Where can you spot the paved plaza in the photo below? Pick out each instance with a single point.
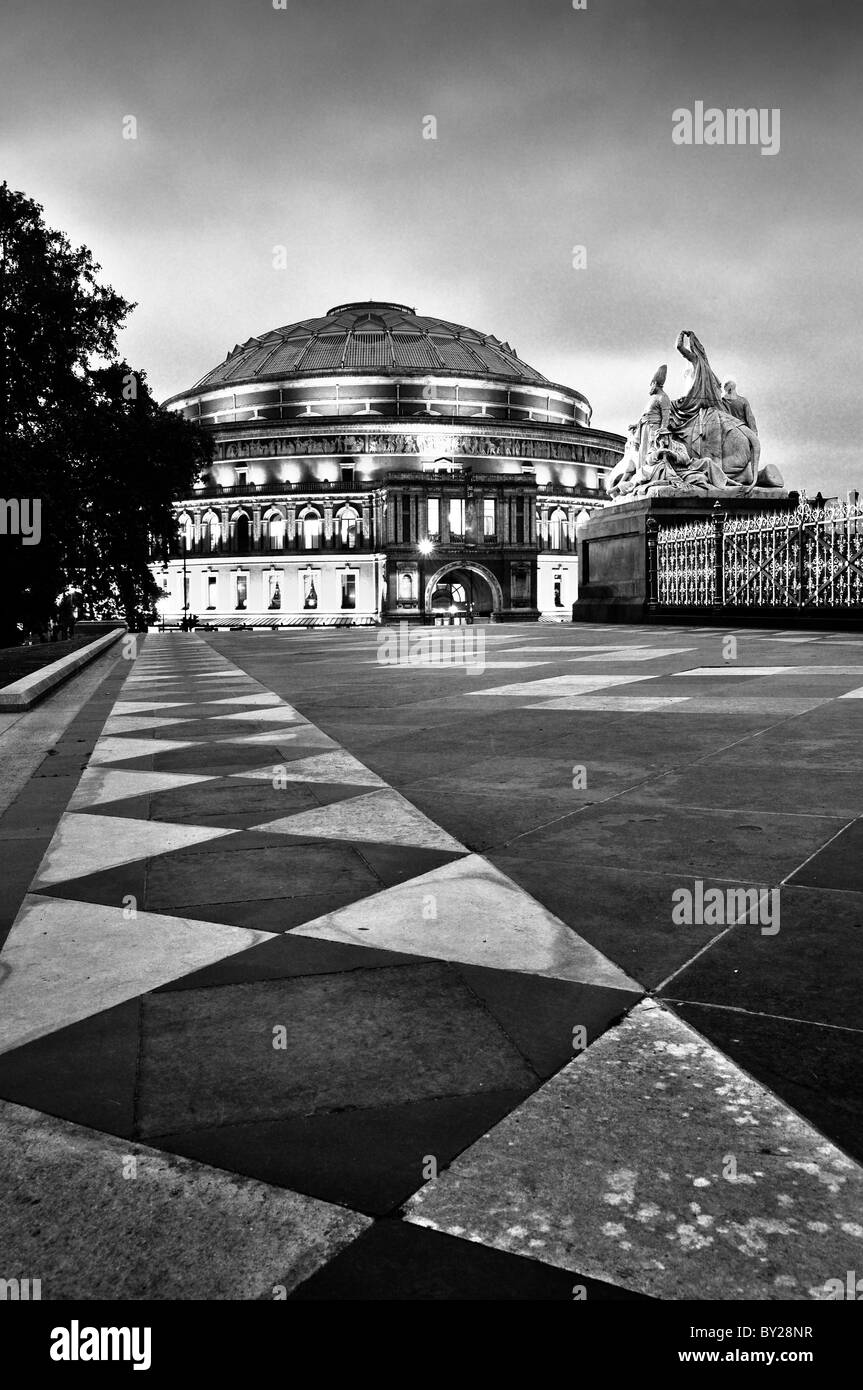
(331, 974)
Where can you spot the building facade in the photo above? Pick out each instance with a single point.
(376, 465)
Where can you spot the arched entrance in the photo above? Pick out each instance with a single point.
(465, 586)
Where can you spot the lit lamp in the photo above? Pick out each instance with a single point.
(425, 547)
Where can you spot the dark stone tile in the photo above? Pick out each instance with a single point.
(364, 1039)
(796, 971)
(21, 859)
(838, 865)
(625, 914)
(539, 1015)
(396, 1260)
(275, 914)
(287, 957)
(84, 1073)
(129, 807)
(371, 1159)
(751, 786)
(278, 868)
(397, 863)
(816, 1070)
(223, 758)
(745, 846)
(109, 886)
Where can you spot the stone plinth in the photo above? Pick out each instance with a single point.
(612, 549)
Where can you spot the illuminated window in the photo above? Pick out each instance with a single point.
(311, 528)
(434, 517)
(242, 591)
(274, 530)
(488, 525)
(274, 589)
(347, 525)
(456, 517)
(211, 592)
(211, 532)
(557, 529)
(349, 591)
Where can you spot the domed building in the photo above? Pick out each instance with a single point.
(375, 465)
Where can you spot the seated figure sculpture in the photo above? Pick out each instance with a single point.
(693, 445)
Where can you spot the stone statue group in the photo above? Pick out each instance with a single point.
(704, 444)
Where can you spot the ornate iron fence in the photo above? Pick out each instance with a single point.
(805, 556)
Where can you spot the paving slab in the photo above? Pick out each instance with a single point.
(101, 1218)
(598, 1172)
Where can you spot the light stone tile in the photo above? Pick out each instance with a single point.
(98, 785)
(652, 1161)
(732, 671)
(383, 817)
(637, 654)
(135, 723)
(337, 767)
(469, 911)
(283, 714)
(116, 750)
(85, 844)
(208, 1234)
(621, 704)
(65, 960)
(559, 685)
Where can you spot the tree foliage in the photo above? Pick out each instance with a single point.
(79, 432)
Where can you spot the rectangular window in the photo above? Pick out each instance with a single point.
(275, 590)
(456, 517)
(434, 518)
(558, 591)
(242, 477)
(488, 517)
(406, 517)
(349, 591)
(242, 591)
(211, 591)
(347, 475)
(310, 593)
(519, 521)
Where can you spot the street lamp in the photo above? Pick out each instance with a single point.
(425, 547)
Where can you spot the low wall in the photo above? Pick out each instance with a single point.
(23, 693)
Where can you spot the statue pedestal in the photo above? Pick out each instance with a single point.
(613, 551)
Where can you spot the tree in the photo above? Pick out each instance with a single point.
(79, 432)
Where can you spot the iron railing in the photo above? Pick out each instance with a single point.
(808, 555)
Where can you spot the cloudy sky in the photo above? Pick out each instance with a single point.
(303, 127)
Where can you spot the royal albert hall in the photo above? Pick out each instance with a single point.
(375, 465)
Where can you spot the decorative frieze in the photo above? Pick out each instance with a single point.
(444, 445)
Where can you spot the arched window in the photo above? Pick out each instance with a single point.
(347, 526)
(558, 535)
(274, 530)
(310, 525)
(211, 531)
(240, 529)
(186, 529)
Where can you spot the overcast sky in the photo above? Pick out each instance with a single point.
(259, 127)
